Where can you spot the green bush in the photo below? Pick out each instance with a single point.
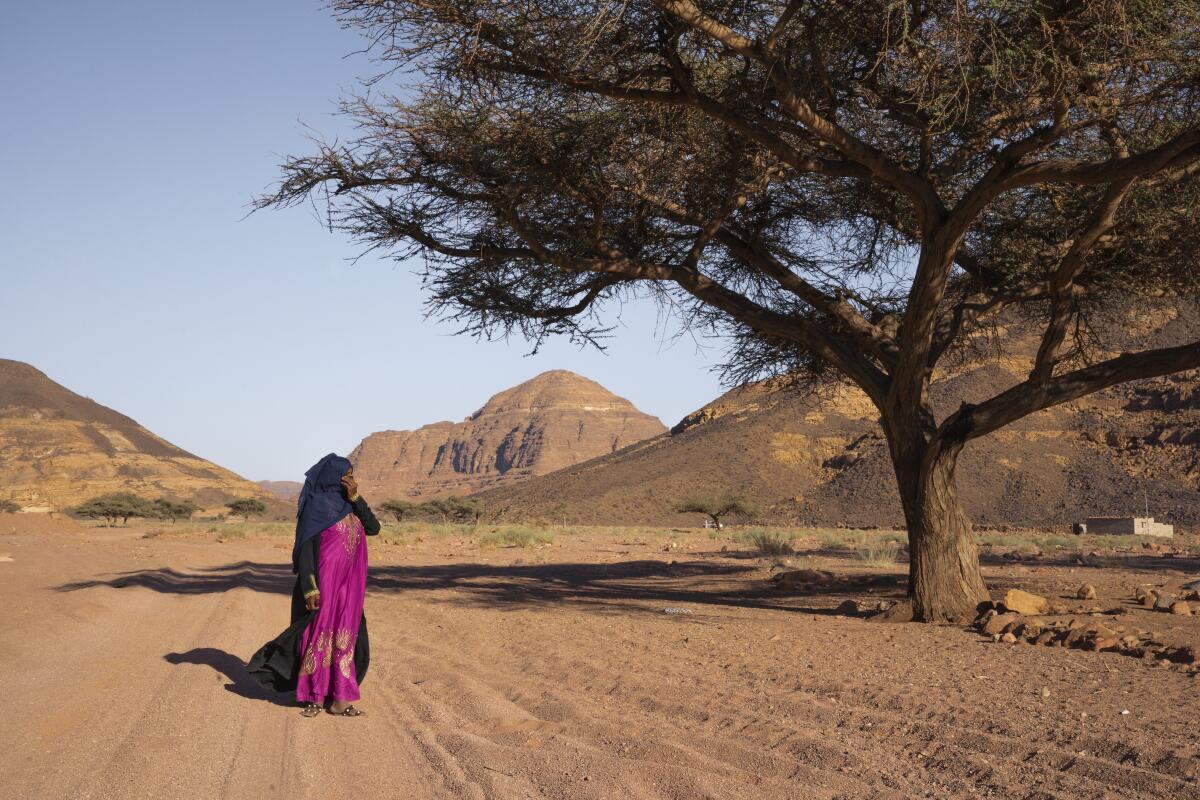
(767, 542)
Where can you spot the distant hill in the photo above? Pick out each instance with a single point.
(283, 490)
(821, 459)
(549, 422)
(58, 448)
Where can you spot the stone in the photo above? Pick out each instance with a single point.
(1164, 602)
(998, 623)
(1022, 602)
(1181, 608)
(1008, 638)
(1086, 592)
(1149, 599)
(1030, 629)
(848, 607)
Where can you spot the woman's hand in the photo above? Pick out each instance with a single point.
(313, 601)
(350, 487)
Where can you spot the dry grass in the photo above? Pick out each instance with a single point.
(515, 536)
(767, 542)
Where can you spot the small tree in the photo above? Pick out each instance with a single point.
(246, 507)
(115, 506)
(464, 509)
(9, 507)
(717, 507)
(169, 509)
(400, 509)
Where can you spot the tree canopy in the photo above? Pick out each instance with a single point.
(843, 190)
(116, 506)
(247, 507)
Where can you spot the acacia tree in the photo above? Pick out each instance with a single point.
(715, 507)
(850, 189)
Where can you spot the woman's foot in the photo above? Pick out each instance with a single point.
(310, 710)
(344, 709)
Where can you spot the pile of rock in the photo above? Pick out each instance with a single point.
(1165, 601)
(1019, 618)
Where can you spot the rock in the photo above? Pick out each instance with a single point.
(1086, 592)
(1030, 629)
(1008, 638)
(798, 578)
(1164, 602)
(1046, 638)
(1140, 593)
(552, 421)
(1024, 602)
(1149, 599)
(999, 623)
(848, 607)
(1057, 608)
(1181, 608)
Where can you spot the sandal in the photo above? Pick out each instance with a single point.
(348, 711)
(310, 710)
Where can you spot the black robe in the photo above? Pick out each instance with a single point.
(276, 665)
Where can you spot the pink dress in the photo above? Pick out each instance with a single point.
(327, 647)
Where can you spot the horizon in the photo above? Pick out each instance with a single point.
(136, 277)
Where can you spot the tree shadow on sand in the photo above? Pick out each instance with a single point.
(621, 587)
(234, 669)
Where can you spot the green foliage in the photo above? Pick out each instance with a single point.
(116, 506)
(452, 508)
(172, 510)
(717, 506)
(247, 507)
(9, 507)
(400, 508)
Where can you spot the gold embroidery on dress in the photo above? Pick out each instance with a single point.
(342, 640)
(345, 663)
(309, 665)
(350, 533)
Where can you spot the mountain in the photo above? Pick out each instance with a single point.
(282, 490)
(549, 422)
(58, 448)
(821, 459)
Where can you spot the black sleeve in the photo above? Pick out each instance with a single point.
(308, 564)
(366, 515)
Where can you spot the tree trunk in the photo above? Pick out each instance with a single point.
(944, 578)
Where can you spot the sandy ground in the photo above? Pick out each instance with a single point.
(558, 673)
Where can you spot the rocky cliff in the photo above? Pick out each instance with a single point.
(549, 422)
(58, 448)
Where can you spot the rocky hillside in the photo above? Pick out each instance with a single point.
(547, 423)
(58, 448)
(286, 491)
(820, 459)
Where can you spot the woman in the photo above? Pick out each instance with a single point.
(323, 655)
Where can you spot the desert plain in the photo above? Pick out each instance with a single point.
(589, 662)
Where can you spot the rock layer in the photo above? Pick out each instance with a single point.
(58, 449)
(547, 423)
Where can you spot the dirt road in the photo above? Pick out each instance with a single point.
(555, 673)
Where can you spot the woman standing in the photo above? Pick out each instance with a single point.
(323, 655)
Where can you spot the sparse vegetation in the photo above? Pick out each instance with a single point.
(115, 506)
(515, 536)
(717, 506)
(173, 510)
(399, 509)
(876, 551)
(767, 542)
(9, 507)
(247, 507)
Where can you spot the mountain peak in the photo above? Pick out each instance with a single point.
(548, 422)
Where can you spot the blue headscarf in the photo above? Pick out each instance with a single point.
(322, 501)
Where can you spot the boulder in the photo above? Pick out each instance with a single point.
(999, 623)
(1086, 592)
(1149, 599)
(1008, 638)
(1021, 602)
(1181, 608)
(1164, 602)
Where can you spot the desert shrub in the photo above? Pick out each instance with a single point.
(9, 507)
(247, 507)
(515, 537)
(876, 551)
(172, 510)
(229, 533)
(767, 542)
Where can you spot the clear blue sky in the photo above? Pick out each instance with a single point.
(134, 135)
